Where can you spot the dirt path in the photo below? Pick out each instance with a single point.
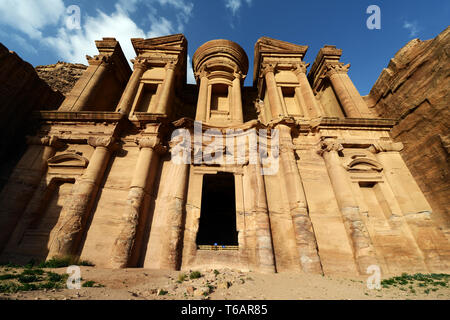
(131, 284)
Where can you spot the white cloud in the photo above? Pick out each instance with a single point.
(73, 45)
(24, 44)
(160, 27)
(235, 5)
(412, 27)
(31, 16)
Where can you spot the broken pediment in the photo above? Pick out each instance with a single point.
(172, 42)
(265, 44)
(274, 50)
(71, 160)
(364, 164)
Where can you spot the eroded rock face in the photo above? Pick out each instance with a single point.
(21, 92)
(415, 89)
(62, 75)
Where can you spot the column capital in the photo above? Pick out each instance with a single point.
(301, 68)
(238, 75)
(329, 146)
(204, 72)
(339, 68)
(48, 141)
(171, 65)
(384, 146)
(103, 142)
(268, 67)
(152, 142)
(140, 63)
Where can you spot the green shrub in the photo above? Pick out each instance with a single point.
(89, 284)
(162, 292)
(24, 278)
(54, 277)
(7, 276)
(195, 275)
(63, 262)
(9, 287)
(38, 272)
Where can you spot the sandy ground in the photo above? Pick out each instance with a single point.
(139, 284)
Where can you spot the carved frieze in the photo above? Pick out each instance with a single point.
(328, 146)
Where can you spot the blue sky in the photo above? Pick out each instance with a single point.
(38, 31)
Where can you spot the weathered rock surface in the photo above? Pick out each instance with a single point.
(21, 91)
(61, 76)
(415, 88)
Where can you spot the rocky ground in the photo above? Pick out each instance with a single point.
(224, 284)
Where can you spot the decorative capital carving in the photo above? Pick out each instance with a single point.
(328, 146)
(170, 65)
(301, 68)
(49, 141)
(202, 73)
(152, 142)
(238, 75)
(266, 68)
(383, 146)
(140, 63)
(339, 68)
(103, 142)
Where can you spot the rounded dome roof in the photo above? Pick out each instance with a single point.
(220, 47)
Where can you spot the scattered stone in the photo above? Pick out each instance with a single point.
(224, 284)
(202, 291)
(190, 290)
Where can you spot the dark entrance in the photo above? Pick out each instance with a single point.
(218, 211)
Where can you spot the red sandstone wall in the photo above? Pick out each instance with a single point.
(415, 88)
(21, 92)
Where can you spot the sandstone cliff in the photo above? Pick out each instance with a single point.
(61, 76)
(21, 92)
(415, 88)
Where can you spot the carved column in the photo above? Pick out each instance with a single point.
(22, 184)
(167, 89)
(354, 106)
(304, 233)
(313, 107)
(265, 254)
(140, 187)
(174, 211)
(202, 96)
(237, 98)
(129, 94)
(91, 88)
(359, 236)
(274, 98)
(79, 205)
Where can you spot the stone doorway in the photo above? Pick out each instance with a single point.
(218, 211)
